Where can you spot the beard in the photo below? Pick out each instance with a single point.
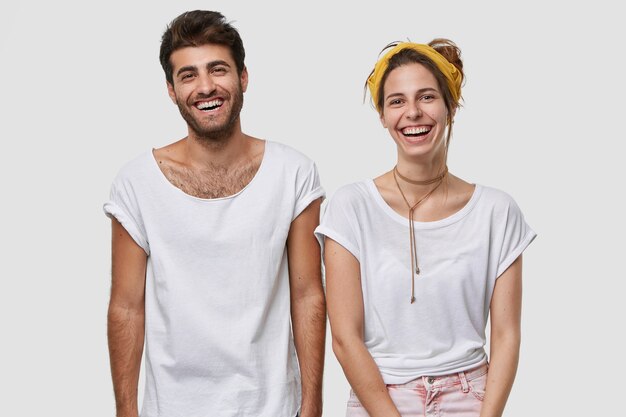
(209, 130)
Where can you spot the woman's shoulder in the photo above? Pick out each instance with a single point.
(494, 195)
(496, 200)
(352, 193)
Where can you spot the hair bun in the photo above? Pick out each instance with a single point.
(449, 50)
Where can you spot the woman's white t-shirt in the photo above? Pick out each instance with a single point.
(460, 258)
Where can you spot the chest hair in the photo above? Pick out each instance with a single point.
(213, 181)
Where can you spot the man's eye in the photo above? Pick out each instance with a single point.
(186, 76)
(219, 70)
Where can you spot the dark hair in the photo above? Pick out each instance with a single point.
(197, 28)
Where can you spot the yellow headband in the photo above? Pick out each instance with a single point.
(453, 76)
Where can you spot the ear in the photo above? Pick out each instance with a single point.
(382, 119)
(244, 79)
(170, 91)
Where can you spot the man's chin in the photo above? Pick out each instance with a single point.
(214, 134)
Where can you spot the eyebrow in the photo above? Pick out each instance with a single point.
(209, 65)
(186, 68)
(216, 63)
(420, 91)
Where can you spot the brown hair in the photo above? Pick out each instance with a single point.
(445, 47)
(197, 28)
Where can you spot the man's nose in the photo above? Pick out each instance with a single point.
(206, 84)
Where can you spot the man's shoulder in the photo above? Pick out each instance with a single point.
(289, 155)
(136, 167)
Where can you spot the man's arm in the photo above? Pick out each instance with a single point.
(126, 318)
(308, 306)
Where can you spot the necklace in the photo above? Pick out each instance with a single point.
(416, 182)
(415, 269)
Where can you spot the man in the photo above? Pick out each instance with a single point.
(213, 253)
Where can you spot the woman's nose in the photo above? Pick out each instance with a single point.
(414, 111)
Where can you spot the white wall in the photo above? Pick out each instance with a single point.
(83, 92)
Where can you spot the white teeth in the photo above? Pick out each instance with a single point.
(415, 130)
(207, 105)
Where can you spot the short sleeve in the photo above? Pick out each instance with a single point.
(516, 237)
(339, 222)
(122, 206)
(308, 189)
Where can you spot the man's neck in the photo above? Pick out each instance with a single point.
(203, 152)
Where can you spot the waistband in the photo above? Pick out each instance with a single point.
(457, 378)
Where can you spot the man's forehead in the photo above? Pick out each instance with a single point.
(201, 55)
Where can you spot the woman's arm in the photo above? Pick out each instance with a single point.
(345, 312)
(505, 310)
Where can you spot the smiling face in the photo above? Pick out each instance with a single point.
(414, 112)
(208, 90)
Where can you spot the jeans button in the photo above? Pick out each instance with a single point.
(431, 379)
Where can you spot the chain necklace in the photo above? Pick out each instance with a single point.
(415, 270)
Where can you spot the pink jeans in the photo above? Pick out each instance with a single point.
(455, 395)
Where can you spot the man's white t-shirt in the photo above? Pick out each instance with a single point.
(460, 258)
(218, 330)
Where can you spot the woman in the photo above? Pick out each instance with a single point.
(418, 258)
